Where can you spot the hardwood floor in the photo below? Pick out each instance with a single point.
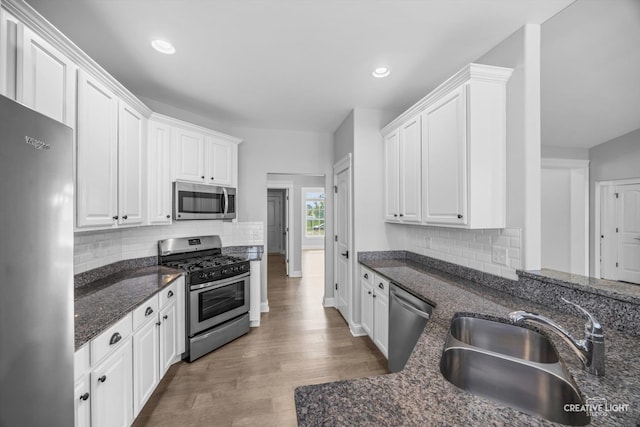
(251, 380)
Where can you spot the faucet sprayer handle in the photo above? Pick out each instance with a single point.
(596, 327)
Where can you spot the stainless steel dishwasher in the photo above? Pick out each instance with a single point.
(408, 316)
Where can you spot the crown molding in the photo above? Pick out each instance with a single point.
(171, 121)
(469, 73)
(30, 17)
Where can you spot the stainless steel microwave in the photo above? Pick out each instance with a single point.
(200, 201)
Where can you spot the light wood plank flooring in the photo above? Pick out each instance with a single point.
(251, 380)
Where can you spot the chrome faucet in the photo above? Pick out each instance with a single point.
(589, 350)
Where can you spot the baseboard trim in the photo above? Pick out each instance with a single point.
(297, 273)
(329, 302)
(254, 323)
(264, 307)
(357, 330)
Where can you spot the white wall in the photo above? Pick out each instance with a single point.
(267, 151)
(93, 249)
(550, 152)
(612, 160)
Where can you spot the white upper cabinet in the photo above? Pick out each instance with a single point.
(444, 159)
(132, 141)
(189, 156)
(48, 79)
(204, 157)
(402, 173)
(10, 33)
(159, 172)
(461, 175)
(97, 154)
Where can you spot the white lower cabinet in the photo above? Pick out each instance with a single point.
(111, 388)
(374, 297)
(117, 372)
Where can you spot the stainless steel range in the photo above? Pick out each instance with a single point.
(217, 291)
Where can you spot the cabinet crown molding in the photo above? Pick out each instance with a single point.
(171, 121)
(470, 72)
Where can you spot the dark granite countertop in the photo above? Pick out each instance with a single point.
(420, 396)
(103, 302)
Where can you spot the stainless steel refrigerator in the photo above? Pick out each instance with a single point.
(36, 269)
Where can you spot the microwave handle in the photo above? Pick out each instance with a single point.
(225, 201)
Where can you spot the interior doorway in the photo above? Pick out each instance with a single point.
(276, 221)
(618, 230)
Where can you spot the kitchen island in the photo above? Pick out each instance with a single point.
(420, 396)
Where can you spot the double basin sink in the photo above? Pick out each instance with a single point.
(510, 364)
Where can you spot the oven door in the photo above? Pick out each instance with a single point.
(213, 303)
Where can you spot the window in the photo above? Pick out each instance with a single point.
(314, 206)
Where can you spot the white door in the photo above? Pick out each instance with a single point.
(343, 241)
(146, 361)
(97, 180)
(629, 233)
(444, 160)
(132, 137)
(168, 337)
(274, 222)
(48, 79)
(111, 390)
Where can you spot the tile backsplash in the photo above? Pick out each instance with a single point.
(470, 248)
(93, 249)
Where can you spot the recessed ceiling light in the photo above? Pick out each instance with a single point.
(381, 72)
(163, 46)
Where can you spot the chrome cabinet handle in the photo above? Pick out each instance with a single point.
(148, 311)
(115, 338)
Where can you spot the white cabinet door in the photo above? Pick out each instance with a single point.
(366, 300)
(220, 162)
(180, 308)
(97, 161)
(82, 402)
(111, 384)
(391, 178)
(10, 34)
(189, 156)
(168, 336)
(381, 326)
(132, 135)
(48, 79)
(159, 173)
(146, 363)
(410, 161)
(444, 160)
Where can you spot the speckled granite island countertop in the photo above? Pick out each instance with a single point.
(103, 302)
(420, 396)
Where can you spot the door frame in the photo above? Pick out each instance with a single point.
(288, 209)
(600, 187)
(341, 165)
(579, 189)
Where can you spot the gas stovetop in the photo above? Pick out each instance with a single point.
(201, 258)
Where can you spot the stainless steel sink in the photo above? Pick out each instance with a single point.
(510, 364)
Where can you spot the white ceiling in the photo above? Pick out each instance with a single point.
(590, 90)
(288, 64)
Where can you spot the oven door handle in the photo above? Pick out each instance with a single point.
(219, 284)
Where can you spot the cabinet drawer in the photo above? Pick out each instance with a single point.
(81, 362)
(381, 285)
(169, 294)
(148, 310)
(110, 339)
(366, 275)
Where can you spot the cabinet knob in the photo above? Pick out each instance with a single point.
(459, 216)
(211, 178)
(170, 294)
(374, 295)
(125, 216)
(202, 177)
(369, 292)
(102, 379)
(84, 396)
(381, 285)
(148, 311)
(168, 216)
(366, 275)
(395, 215)
(165, 317)
(115, 217)
(401, 215)
(158, 323)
